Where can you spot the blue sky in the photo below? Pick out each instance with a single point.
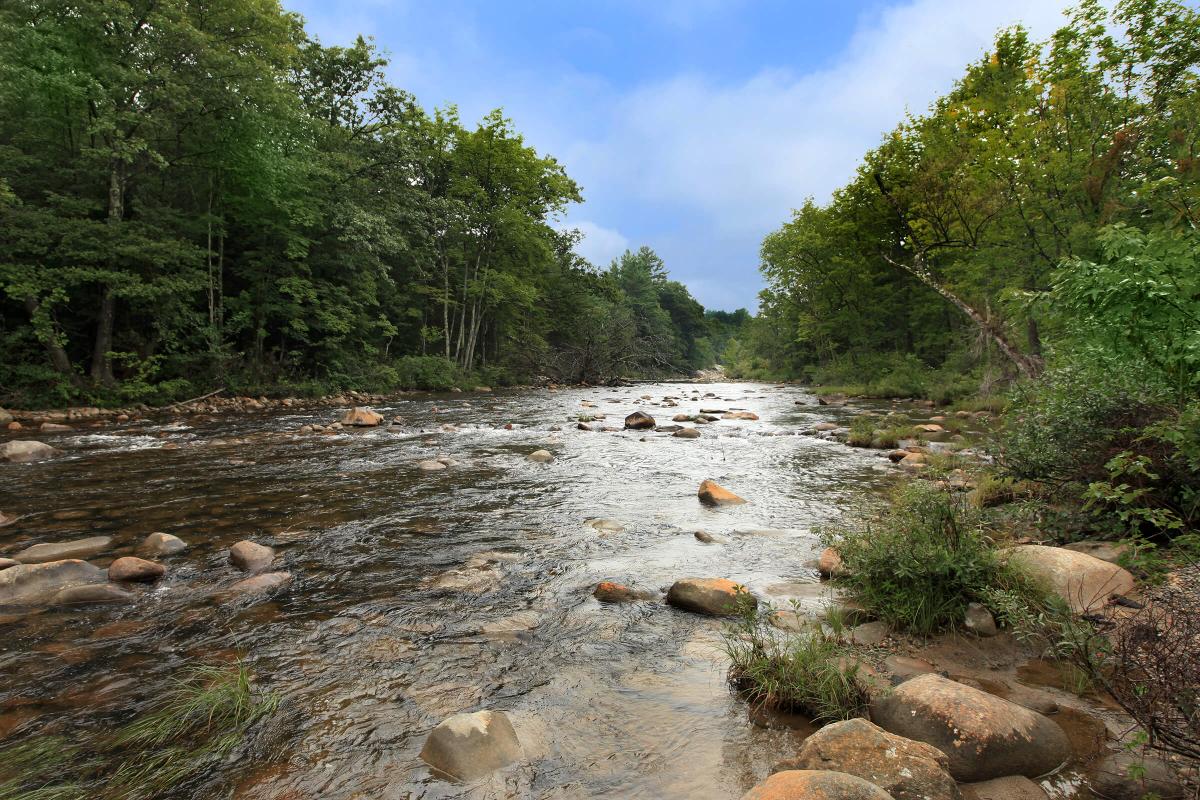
(693, 126)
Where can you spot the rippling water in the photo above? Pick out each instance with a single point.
(421, 594)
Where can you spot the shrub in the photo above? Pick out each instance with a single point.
(919, 563)
(807, 673)
(862, 431)
(427, 372)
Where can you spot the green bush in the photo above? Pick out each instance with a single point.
(920, 562)
(807, 673)
(427, 372)
(862, 431)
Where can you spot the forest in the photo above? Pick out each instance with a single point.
(1042, 213)
(201, 195)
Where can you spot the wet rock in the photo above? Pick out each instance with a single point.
(91, 593)
(905, 769)
(361, 418)
(5, 563)
(469, 746)
(983, 735)
(870, 634)
(714, 495)
(1010, 787)
(829, 563)
(430, 466)
(541, 456)
(681, 418)
(610, 592)
(713, 596)
(746, 415)
(1084, 581)
(14, 426)
(1111, 552)
(803, 784)
(254, 586)
(57, 551)
(24, 451)
(896, 456)
(831, 400)
(639, 421)
(606, 525)
(250, 556)
(1113, 777)
(708, 538)
(162, 544)
(583, 426)
(979, 621)
(36, 584)
(686, 433)
(55, 427)
(131, 568)
(824, 427)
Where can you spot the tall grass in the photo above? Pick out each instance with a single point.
(191, 728)
(807, 673)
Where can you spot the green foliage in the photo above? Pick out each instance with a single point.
(426, 372)
(190, 730)
(807, 673)
(862, 431)
(920, 562)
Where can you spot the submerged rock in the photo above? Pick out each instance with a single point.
(24, 451)
(162, 544)
(983, 735)
(430, 466)
(1083, 581)
(712, 494)
(712, 596)
(609, 592)
(91, 593)
(250, 556)
(639, 420)
(37, 584)
(256, 585)
(465, 747)
(805, 784)
(708, 538)
(905, 769)
(57, 551)
(131, 568)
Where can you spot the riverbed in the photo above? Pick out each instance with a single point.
(420, 594)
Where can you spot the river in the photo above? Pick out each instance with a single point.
(421, 594)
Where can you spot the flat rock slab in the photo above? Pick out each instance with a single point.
(57, 551)
(254, 586)
(37, 584)
(466, 747)
(90, 593)
(984, 736)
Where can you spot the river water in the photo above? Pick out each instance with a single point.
(422, 594)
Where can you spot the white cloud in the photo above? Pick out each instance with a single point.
(600, 245)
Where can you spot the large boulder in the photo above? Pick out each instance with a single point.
(905, 769)
(57, 551)
(713, 596)
(712, 494)
(250, 556)
(37, 584)
(465, 747)
(361, 418)
(810, 784)
(132, 568)
(23, 451)
(983, 735)
(1084, 581)
(1011, 787)
(1113, 777)
(639, 420)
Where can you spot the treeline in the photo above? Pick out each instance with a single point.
(935, 269)
(199, 194)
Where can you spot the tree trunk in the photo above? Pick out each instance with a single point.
(58, 356)
(101, 362)
(1028, 366)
